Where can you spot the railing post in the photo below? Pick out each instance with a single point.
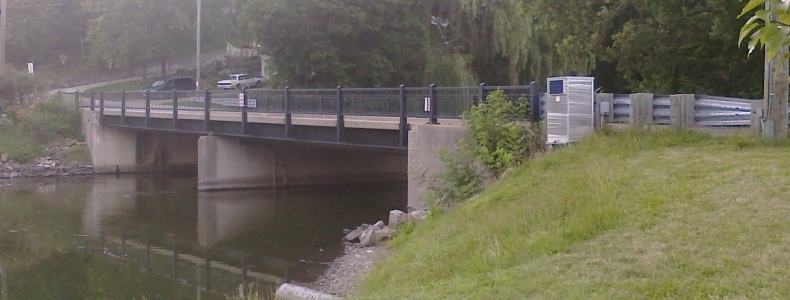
(482, 95)
(147, 107)
(287, 112)
(244, 111)
(207, 111)
(534, 90)
(123, 107)
(93, 105)
(341, 122)
(404, 126)
(101, 106)
(433, 114)
(175, 109)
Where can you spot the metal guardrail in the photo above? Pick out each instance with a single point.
(709, 111)
(403, 102)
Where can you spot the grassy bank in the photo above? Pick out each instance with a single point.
(620, 216)
(26, 132)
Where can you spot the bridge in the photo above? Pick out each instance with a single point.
(285, 137)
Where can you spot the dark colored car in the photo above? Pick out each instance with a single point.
(173, 83)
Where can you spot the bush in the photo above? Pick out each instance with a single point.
(499, 139)
(50, 120)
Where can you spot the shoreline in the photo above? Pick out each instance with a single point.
(345, 274)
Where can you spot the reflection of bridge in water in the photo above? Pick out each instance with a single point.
(187, 268)
(218, 240)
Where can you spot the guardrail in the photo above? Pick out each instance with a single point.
(709, 111)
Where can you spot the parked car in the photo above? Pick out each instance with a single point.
(181, 83)
(239, 81)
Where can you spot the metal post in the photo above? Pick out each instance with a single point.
(93, 105)
(244, 111)
(77, 99)
(101, 106)
(175, 109)
(207, 111)
(147, 107)
(404, 126)
(534, 89)
(433, 109)
(123, 107)
(197, 55)
(482, 95)
(287, 112)
(341, 122)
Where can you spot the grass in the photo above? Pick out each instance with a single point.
(619, 216)
(134, 86)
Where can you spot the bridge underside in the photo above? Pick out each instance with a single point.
(233, 163)
(238, 162)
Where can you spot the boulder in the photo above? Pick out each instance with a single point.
(386, 233)
(397, 217)
(379, 224)
(4, 157)
(356, 233)
(418, 215)
(368, 237)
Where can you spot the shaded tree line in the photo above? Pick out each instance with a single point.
(670, 46)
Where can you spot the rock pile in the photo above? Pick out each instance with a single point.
(370, 235)
(48, 166)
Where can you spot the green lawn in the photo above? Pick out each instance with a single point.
(619, 216)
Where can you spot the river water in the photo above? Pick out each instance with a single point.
(157, 237)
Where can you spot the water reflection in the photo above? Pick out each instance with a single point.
(161, 227)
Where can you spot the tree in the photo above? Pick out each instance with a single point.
(325, 43)
(769, 26)
(41, 30)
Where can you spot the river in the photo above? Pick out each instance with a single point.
(157, 237)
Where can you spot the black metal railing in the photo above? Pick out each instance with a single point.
(432, 103)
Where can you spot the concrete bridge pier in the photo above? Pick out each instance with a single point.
(234, 163)
(115, 149)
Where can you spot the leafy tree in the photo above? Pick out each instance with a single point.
(41, 30)
(325, 43)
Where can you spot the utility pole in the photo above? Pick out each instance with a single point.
(197, 65)
(3, 25)
(775, 92)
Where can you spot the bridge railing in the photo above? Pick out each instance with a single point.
(401, 102)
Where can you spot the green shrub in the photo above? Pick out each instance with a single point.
(50, 120)
(499, 139)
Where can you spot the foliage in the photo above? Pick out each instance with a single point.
(14, 84)
(766, 28)
(123, 33)
(498, 140)
(621, 215)
(49, 120)
(319, 43)
(39, 31)
(40, 125)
